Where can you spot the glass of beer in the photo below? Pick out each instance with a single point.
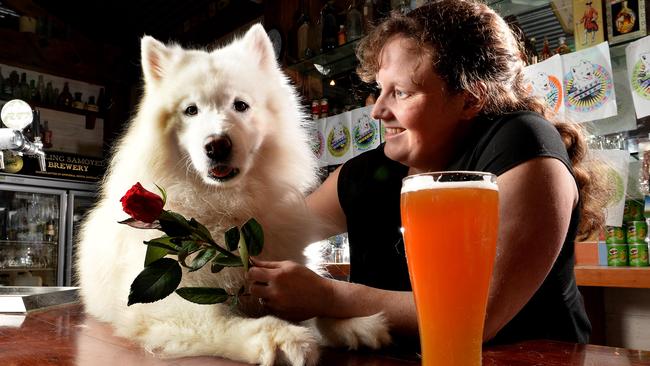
(450, 223)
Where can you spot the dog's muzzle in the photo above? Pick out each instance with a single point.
(219, 151)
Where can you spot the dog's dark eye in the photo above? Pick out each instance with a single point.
(191, 110)
(240, 106)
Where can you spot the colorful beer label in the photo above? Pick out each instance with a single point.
(588, 86)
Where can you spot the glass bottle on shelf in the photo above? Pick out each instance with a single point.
(368, 15)
(22, 91)
(302, 37)
(40, 90)
(342, 38)
(546, 50)
(47, 135)
(563, 48)
(49, 94)
(353, 22)
(32, 90)
(330, 28)
(65, 98)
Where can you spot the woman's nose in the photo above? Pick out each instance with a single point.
(379, 109)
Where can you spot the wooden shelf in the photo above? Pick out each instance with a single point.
(600, 276)
(603, 276)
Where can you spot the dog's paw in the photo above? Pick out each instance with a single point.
(285, 343)
(369, 331)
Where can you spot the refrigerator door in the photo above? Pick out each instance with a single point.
(32, 235)
(79, 202)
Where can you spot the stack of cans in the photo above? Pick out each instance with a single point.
(627, 245)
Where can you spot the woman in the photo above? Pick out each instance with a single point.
(452, 98)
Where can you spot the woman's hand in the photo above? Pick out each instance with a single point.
(289, 290)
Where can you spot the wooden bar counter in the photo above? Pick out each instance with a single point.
(63, 335)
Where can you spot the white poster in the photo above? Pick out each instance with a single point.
(588, 84)
(365, 130)
(618, 166)
(338, 139)
(544, 80)
(317, 140)
(625, 119)
(637, 55)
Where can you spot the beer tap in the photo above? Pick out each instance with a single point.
(16, 115)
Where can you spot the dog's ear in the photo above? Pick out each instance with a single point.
(259, 44)
(155, 58)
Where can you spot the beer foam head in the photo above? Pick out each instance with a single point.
(426, 181)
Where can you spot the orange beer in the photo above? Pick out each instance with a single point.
(450, 234)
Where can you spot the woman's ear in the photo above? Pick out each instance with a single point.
(474, 100)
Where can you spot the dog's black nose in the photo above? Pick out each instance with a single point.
(219, 148)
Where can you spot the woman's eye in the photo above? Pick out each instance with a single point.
(400, 94)
(191, 110)
(240, 106)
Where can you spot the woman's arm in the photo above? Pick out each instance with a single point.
(536, 199)
(294, 292)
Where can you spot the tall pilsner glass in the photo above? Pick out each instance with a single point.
(450, 222)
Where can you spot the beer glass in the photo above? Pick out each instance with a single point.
(450, 223)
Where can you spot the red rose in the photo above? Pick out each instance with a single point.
(141, 204)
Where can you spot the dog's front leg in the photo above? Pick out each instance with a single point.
(368, 331)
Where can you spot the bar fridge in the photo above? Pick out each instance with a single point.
(38, 221)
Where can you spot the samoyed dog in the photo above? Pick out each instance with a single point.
(223, 133)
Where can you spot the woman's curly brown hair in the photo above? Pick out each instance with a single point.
(474, 51)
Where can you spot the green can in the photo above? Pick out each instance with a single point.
(638, 254)
(633, 211)
(617, 255)
(637, 231)
(615, 235)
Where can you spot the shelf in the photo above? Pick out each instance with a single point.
(27, 242)
(24, 269)
(81, 112)
(330, 63)
(603, 276)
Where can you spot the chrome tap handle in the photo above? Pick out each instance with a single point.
(2, 161)
(41, 160)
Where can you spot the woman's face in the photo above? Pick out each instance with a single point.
(423, 122)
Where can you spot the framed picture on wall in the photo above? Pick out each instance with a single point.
(588, 23)
(625, 20)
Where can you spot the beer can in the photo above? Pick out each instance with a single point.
(617, 255)
(637, 231)
(638, 255)
(615, 235)
(324, 108)
(315, 107)
(633, 211)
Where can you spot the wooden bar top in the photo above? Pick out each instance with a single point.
(63, 336)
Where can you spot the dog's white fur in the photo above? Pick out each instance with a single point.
(165, 146)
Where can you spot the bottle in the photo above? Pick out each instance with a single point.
(22, 90)
(324, 108)
(330, 30)
(48, 98)
(40, 90)
(368, 16)
(341, 35)
(65, 98)
(353, 23)
(563, 48)
(546, 51)
(47, 135)
(78, 103)
(14, 80)
(302, 38)
(32, 90)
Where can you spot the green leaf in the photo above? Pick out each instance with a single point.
(254, 235)
(204, 256)
(231, 237)
(162, 193)
(164, 242)
(203, 231)
(188, 247)
(203, 295)
(154, 253)
(156, 281)
(216, 267)
(140, 224)
(225, 261)
(243, 252)
(174, 224)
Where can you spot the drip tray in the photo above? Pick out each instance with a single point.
(21, 299)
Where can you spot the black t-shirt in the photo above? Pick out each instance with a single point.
(369, 192)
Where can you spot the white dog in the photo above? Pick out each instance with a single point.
(222, 132)
(583, 75)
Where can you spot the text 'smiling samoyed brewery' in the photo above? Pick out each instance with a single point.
(221, 132)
